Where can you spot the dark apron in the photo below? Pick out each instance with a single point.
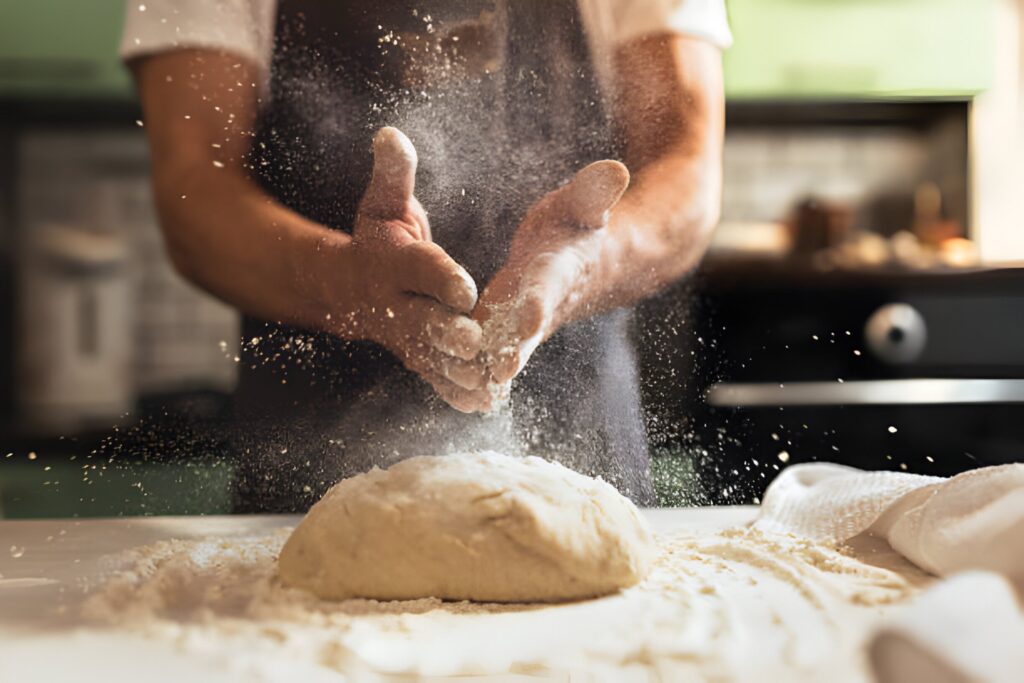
(500, 101)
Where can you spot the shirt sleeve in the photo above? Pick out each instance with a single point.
(613, 22)
(242, 27)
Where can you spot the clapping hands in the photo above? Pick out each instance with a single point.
(423, 306)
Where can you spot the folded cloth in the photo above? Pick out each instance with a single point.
(966, 629)
(974, 520)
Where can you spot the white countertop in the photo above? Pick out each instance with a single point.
(45, 563)
(48, 567)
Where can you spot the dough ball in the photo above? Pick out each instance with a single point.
(476, 526)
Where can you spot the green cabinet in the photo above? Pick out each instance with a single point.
(862, 49)
(62, 49)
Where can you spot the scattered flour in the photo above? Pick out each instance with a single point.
(739, 605)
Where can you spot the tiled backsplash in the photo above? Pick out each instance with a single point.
(769, 170)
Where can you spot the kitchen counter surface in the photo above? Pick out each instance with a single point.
(42, 561)
(47, 569)
(46, 566)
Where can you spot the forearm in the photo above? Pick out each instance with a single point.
(670, 107)
(227, 236)
(223, 232)
(659, 230)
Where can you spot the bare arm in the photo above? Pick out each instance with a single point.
(222, 231)
(387, 282)
(670, 106)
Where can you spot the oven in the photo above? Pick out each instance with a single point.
(778, 363)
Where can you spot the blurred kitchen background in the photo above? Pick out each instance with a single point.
(870, 239)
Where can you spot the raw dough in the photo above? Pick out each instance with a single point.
(476, 526)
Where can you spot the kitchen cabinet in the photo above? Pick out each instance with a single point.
(860, 49)
(62, 49)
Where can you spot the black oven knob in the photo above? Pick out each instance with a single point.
(896, 333)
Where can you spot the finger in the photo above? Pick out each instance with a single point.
(592, 193)
(511, 360)
(422, 359)
(394, 174)
(505, 364)
(509, 353)
(500, 291)
(421, 220)
(425, 268)
(453, 334)
(466, 374)
(429, 324)
(524, 306)
(469, 375)
(463, 400)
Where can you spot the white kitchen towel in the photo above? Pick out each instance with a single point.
(974, 520)
(967, 629)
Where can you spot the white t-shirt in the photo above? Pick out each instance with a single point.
(246, 27)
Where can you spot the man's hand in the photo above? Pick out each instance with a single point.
(411, 297)
(552, 262)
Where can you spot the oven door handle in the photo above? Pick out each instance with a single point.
(867, 392)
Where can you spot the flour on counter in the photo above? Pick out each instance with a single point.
(738, 605)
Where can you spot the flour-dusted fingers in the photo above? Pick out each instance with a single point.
(505, 364)
(518, 337)
(463, 400)
(510, 360)
(424, 360)
(429, 323)
(510, 315)
(427, 269)
(467, 374)
(455, 335)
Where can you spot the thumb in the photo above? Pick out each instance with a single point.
(394, 173)
(592, 192)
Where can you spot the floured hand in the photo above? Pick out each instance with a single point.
(550, 268)
(413, 298)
